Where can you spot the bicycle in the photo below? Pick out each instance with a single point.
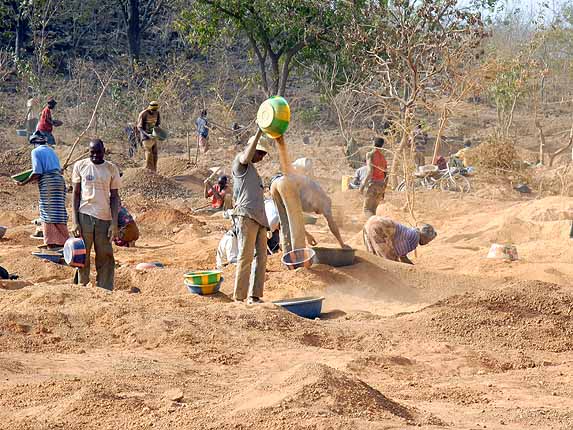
(430, 177)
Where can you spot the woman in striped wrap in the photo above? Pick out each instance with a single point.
(47, 172)
(394, 241)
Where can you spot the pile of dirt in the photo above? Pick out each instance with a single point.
(15, 161)
(173, 166)
(167, 216)
(151, 186)
(320, 390)
(12, 219)
(528, 315)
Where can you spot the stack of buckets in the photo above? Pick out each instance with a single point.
(203, 282)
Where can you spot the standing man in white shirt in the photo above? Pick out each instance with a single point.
(32, 113)
(95, 212)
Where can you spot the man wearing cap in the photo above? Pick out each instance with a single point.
(220, 194)
(374, 184)
(393, 241)
(46, 124)
(251, 221)
(147, 121)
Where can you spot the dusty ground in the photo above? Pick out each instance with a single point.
(456, 341)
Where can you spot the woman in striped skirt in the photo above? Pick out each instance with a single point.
(47, 171)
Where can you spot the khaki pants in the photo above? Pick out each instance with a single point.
(250, 278)
(151, 155)
(373, 196)
(95, 232)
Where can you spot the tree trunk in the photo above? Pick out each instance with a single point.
(563, 149)
(134, 31)
(541, 140)
(275, 73)
(406, 124)
(21, 27)
(443, 123)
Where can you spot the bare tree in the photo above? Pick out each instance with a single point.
(411, 49)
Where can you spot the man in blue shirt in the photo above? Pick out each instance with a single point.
(203, 131)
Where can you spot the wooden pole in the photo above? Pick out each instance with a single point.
(197, 153)
(66, 164)
(188, 149)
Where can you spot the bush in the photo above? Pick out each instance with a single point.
(494, 153)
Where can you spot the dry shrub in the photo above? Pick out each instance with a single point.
(495, 153)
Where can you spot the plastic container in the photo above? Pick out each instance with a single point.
(22, 176)
(75, 252)
(309, 219)
(297, 258)
(306, 307)
(204, 290)
(204, 277)
(159, 133)
(22, 132)
(273, 116)
(345, 183)
(142, 267)
(503, 252)
(335, 257)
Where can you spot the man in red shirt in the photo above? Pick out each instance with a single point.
(374, 184)
(219, 194)
(46, 124)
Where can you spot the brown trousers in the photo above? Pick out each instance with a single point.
(250, 278)
(151, 155)
(373, 196)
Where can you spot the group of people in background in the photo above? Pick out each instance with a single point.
(99, 218)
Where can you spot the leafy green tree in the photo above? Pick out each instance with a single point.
(278, 32)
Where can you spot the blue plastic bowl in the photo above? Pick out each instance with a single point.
(306, 307)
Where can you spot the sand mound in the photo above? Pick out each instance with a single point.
(528, 315)
(172, 166)
(11, 219)
(322, 390)
(167, 216)
(35, 269)
(151, 186)
(15, 161)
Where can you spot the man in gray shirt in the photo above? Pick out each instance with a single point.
(251, 221)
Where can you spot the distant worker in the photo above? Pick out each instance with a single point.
(220, 194)
(374, 185)
(251, 220)
(459, 159)
(313, 199)
(46, 124)
(128, 231)
(393, 241)
(47, 171)
(32, 113)
(146, 122)
(203, 131)
(96, 184)
(239, 133)
(359, 176)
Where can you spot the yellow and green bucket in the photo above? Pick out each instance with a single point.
(273, 116)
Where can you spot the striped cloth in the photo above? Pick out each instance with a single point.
(53, 198)
(405, 240)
